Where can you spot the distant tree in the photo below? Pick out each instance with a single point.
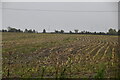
(76, 30)
(34, 31)
(101, 33)
(19, 30)
(119, 32)
(86, 32)
(70, 32)
(82, 32)
(112, 31)
(10, 29)
(62, 31)
(25, 30)
(4, 30)
(44, 31)
(95, 33)
(56, 31)
(30, 31)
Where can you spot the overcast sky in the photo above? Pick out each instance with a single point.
(89, 16)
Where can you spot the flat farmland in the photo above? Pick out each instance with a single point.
(33, 55)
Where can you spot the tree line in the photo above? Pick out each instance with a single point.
(76, 31)
(10, 29)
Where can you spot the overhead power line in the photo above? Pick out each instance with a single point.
(52, 10)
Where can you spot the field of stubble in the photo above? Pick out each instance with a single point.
(32, 55)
